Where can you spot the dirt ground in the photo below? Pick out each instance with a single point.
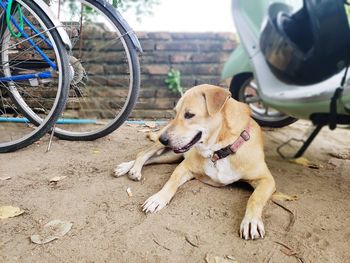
(108, 225)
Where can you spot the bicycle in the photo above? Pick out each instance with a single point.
(34, 63)
(110, 113)
(104, 59)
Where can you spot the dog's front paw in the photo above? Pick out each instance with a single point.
(252, 227)
(155, 203)
(135, 174)
(123, 168)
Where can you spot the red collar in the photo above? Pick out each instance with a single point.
(233, 148)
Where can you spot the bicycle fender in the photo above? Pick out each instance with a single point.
(54, 20)
(127, 29)
(238, 62)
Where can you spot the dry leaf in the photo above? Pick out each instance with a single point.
(57, 178)
(343, 156)
(279, 196)
(10, 211)
(5, 178)
(145, 130)
(53, 230)
(216, 259)
(288, 252)
(129, 192)
(305, 162)
(192, 240)
(151, 124)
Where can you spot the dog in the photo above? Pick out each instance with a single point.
(219, 144)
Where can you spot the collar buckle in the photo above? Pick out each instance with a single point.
(245, 135)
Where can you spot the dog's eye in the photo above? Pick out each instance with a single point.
(189, 115)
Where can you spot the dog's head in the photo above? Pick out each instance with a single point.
(198, 116)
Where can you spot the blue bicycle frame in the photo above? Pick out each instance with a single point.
(40, 75)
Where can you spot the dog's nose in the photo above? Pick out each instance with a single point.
(164, 139)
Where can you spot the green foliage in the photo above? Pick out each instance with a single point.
(140, 8)
(173, 81)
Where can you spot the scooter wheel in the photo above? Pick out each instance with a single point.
(244, 89)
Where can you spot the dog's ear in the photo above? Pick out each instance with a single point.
(215, 98)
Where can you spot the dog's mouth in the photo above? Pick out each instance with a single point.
(189, 145)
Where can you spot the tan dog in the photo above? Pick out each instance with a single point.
(208, 120)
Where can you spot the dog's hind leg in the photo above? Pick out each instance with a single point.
(134, 167)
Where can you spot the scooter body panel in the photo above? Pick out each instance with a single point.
(296, 101)
(237, 63)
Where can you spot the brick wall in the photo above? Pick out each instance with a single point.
(198, 56)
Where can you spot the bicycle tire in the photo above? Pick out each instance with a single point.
(134, 85)
(63, 82)
(134, 88)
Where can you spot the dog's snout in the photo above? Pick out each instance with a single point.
(164, 139)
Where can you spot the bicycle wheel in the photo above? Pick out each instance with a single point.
(27, 80)
(106, 70)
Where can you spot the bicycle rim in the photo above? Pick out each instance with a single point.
(37, 97)
(106, 71)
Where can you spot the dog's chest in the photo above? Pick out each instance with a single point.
(221, 171)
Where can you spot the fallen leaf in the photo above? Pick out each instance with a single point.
(305, 162)
(279, 196)
(145, 130)
(96, 152)
(128, 190)
(10, 211)
(151, 124)
(57, 179)
(5, 178)
(216, 259)
(290, 252)
(193, 241)
(343, 156)
(55, 229)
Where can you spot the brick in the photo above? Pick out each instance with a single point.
(160, 35)
(141, 35)
(216, 57)
(156, 69)
(180, 58)
(152, 114)
(177, 46)
(229, 46)
(116, 69)
(210, 47)
(226, 36)
(95, 69)
(189, 36)
(200, 69)
(148, 45)
(155, 58)
(156, 103)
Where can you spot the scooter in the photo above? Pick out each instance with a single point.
(274, 102)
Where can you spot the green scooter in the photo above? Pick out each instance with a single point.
(286, 75)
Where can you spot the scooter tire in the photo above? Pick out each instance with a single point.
(240, 81)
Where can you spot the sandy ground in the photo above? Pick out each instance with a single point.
(108, 225)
